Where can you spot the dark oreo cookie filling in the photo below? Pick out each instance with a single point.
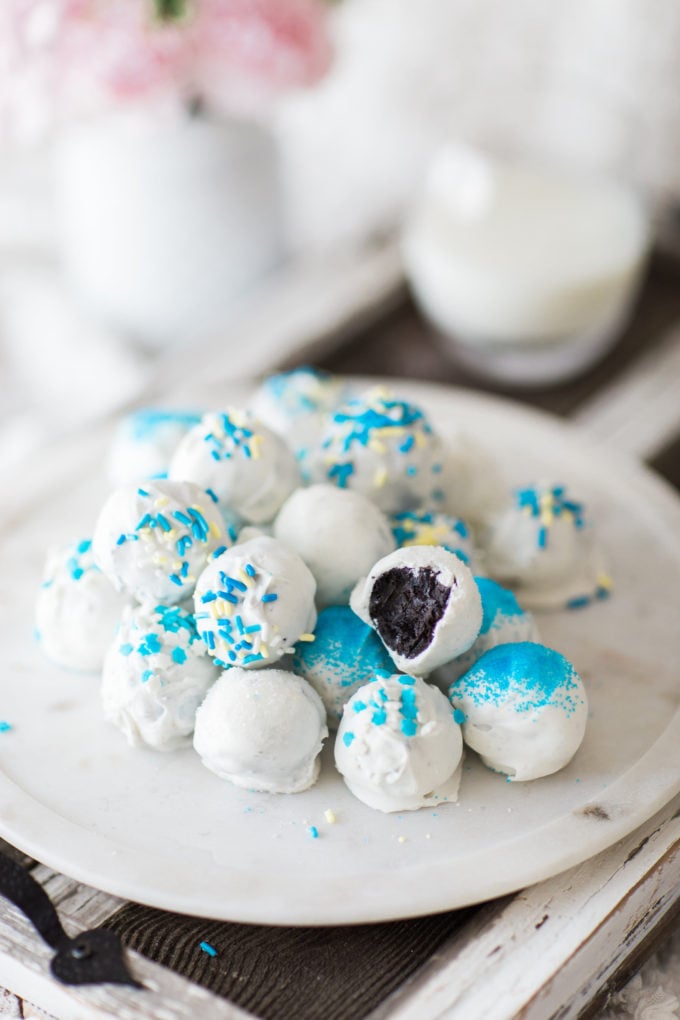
(405, 607)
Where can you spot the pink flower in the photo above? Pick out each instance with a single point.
(76, 56)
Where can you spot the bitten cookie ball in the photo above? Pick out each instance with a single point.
(424, 604)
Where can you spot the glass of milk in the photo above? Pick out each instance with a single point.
(528, 270)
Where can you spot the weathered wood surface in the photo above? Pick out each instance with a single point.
(550, 950)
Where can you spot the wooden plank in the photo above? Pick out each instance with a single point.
(24, 967)
(640, 412)
(550, 951)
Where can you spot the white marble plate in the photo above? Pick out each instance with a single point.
(162, 830)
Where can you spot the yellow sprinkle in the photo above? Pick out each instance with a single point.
(401, 839)
(161, 501)
(329, 816)
(306, 637)
(241, 574)
(171, 535)
(547, 517)
(177, 565)
(605, 581)
(377, 446)
(420, 439)
(254, 444)
(214, 530)
(380, 478)
(264, 651)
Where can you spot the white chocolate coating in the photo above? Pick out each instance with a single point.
(156, 674)
(457, 626)
(381, 447)
(503, 622)
(542, 546)
(249, 467)
(344, 655)
(254, 602)
(144, 442)
(338, 533)
(77, 609)
(154, 541)
(523, 708)
(296, 405)
(262, 730)
(398, 747)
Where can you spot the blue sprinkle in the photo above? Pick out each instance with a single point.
(212, 495)
(207, 948)
(5, 727)
(251, 658)
(411, 470)
(176, 580)
(83, 546)
(143, 492)
(250, 570)
(146, 675)
(270, 598)
(179, 656)
(359, 706)
(126, 649)
(579, 602)
(379, 717)
(120, 539)
(458, 716)
(182, 518)
(347, 738)
(313, 831)
(209, 596)
(77, 573)
(407, 444)
(209, 638)
(228, 597)
(219, 551)
(542, 537)
(184, 573)
(407, 680)
(409, 727)
(239, 585)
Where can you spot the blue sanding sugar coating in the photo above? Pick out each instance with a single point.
(496, 601)
(525, 676)
(344, 647)
(145, 423)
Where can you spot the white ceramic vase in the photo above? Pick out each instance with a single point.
(166, 219)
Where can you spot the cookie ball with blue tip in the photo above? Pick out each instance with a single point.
(424, 605)
(503, 622)
(433, 527)
(345, 654)
(247, 465)
(382, 447)
(144, 442)
(398, 746)
(296, 405)
(77, 609)
(153, 540)
(156, 674)
(254, 602)
(338, 533)
(542, 545)
(523, 708)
